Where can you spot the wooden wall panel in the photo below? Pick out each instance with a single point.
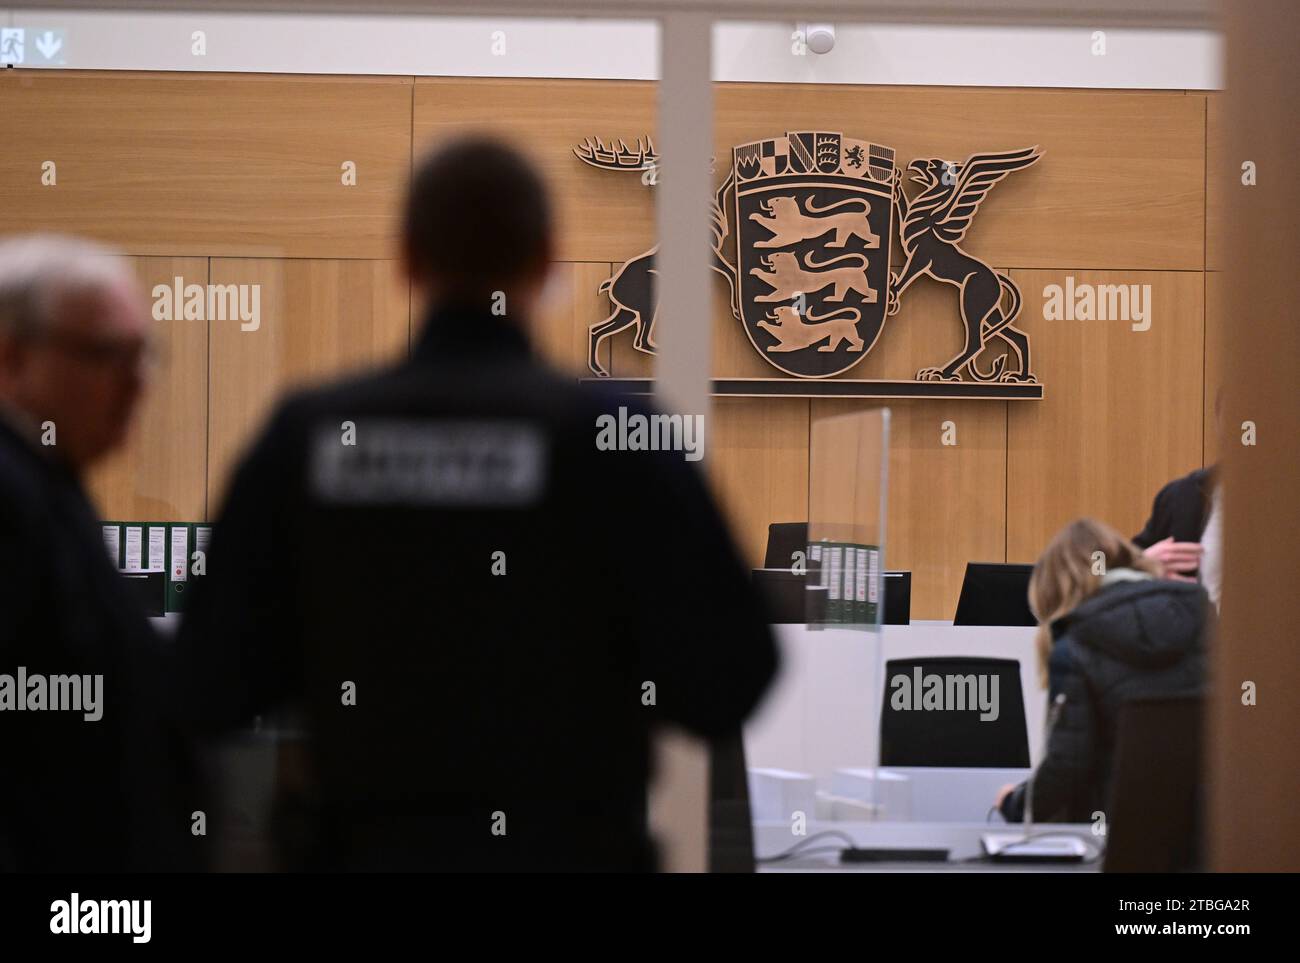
(319, 319)
(757, 456)
(160, 474)
(207, 164)
(1222, 178)
(603, 215)
(247, 167)
(1121, 416)
(1217, 323)
(1114, 158)
(947, 503)
(571, 301)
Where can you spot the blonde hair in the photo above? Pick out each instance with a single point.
(1070, 570)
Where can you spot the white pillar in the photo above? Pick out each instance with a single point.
(683, 336)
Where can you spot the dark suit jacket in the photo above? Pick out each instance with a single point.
(1181, 509)
(77, 796)
(501, 721)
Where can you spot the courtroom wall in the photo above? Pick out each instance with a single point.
(239, 179)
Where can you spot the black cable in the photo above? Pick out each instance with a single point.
(795, 850)
(811, 851)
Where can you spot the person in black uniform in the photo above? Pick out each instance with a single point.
(95, 780)
(480, 614)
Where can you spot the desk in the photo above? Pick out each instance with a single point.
(822, 713)
(962, 839)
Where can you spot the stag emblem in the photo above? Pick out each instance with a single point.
(631, 289)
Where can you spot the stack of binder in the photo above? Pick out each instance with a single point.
(166, 556)
(850, 573)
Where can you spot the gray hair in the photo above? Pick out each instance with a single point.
(38, 272)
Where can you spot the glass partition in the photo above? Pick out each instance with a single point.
(847, 487)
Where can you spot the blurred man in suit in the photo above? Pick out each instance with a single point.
(481, 612)
(90, 770)
(1174, 535)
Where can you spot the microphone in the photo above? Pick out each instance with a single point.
(1022, 846)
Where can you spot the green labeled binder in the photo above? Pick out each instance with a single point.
(850, 582)
(155, 547)
(113, 542)
(871, 585)
(861, 613)
(834, 582)
(202, 535)
(133, 557)
(179, 539)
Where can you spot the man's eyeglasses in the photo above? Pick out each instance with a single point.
(141, 353)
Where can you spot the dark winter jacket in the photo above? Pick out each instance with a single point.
(1131, 639)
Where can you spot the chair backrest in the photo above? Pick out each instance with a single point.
(1154, 813)
(932, 716)
(994, 593)
(783, 540)
(898, 598)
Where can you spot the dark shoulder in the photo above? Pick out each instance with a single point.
(1147, 624)
(23, 484)
(571, 411)
(1194, 483)
(514, 384)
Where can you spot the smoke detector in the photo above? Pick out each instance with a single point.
(820, 37)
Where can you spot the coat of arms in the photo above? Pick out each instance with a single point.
(803, 228)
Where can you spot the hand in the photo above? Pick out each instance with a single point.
(1003, 793)
(1175, 558)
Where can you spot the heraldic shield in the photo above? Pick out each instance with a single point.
(814, 221)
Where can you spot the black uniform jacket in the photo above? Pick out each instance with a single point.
(480, 612)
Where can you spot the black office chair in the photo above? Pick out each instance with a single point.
(994, 593)
(955, 737)
(898, 598)
(783, 540)
(1154, 814)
